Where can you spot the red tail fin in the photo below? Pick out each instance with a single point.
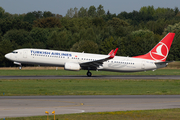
(161, 50)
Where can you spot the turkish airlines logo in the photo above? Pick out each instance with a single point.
(160, 52)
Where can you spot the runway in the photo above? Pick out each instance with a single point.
(175, 77)
(18, 106)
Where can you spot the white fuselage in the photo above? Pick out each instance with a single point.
(59, 58)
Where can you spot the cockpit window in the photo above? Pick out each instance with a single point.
(15, 52)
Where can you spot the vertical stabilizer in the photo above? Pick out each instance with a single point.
(161, 50)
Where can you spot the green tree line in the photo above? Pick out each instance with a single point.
(91, 30)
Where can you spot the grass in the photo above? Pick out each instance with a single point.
(164, 114)
(94, 87)
(89, 87)
(83, 72)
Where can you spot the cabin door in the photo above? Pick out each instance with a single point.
(25, 54)
(143, 64)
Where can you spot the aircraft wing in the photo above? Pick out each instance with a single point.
(93, 65)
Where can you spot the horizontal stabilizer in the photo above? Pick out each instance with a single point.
(163, 62)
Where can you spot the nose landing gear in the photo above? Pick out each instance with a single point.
(20, 67)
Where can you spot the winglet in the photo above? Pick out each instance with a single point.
(113, 53)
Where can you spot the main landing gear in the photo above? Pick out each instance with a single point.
(89, 74)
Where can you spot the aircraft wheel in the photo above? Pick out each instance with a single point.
(20, 67)
(89, 74)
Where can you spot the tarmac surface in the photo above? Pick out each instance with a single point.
(175, 77)
(19, 106)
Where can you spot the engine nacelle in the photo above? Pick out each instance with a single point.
(72, 66)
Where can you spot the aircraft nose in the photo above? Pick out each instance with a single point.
(7, 56)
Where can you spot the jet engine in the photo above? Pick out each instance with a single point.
(72, 66)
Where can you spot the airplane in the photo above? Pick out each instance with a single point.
(75, 61)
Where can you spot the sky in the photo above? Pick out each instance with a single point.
(61, 6)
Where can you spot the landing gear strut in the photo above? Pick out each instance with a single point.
(89, 74)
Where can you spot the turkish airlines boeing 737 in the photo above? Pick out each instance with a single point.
(154, 59)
